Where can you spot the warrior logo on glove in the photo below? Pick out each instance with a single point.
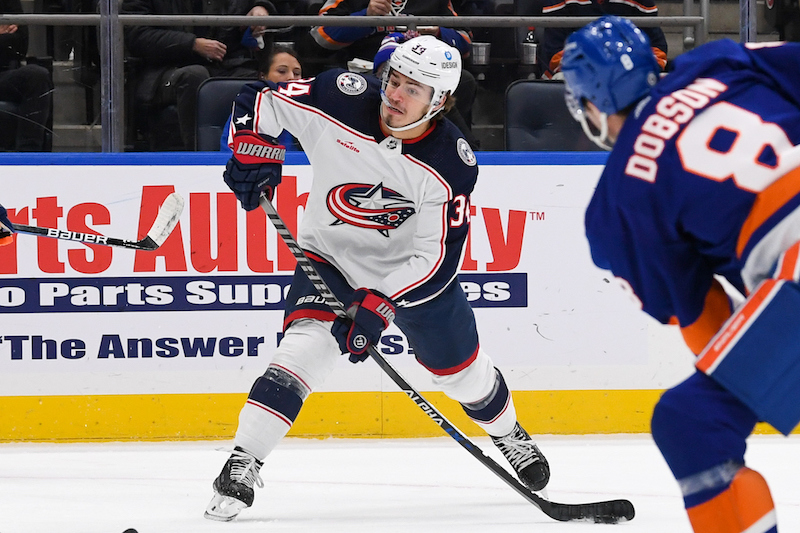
(258, 152)
(360, 342)
(255, 167)
(386, 311)
(370, 314)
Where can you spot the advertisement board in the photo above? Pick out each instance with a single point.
(203, 313)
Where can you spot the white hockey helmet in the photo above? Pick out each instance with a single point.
(428, 61)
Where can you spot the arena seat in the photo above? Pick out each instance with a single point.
(9, 115)
(537, 119)
(8, 125)
(214, 99)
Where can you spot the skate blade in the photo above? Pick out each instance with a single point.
(223, 508)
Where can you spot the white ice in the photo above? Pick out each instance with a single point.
(353, 486)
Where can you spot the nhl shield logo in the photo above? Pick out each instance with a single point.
(465, 152)
(351, 83)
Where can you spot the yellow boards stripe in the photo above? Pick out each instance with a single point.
(326, 414)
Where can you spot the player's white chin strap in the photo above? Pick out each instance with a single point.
(601, 139)
(429, 115)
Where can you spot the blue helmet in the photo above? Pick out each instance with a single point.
(610, 63)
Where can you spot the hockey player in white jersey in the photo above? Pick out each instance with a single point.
(385, 224)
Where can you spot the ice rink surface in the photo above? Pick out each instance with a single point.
(369, 485)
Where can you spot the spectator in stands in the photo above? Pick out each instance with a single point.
(28, 86)
(552, 45)
(336, 45)
(178, 59)
(281, 64)
(784, 16)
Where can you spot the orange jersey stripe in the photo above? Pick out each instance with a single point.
(554, 7)
(329, 7)
(555, 61)
(661, 57)
(789, 263)
(559, 5)
(321, 32)
(752, 307)
(716, 310)
(767, 203)
(746, 506)
(641, 7)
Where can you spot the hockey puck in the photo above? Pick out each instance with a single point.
(131, 530)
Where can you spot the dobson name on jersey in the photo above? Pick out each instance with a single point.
(671, 111)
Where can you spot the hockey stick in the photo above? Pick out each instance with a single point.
(607, 512)
(165, 222)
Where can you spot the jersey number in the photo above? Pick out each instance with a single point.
(750, 156)
(461, 211)
(295, 88)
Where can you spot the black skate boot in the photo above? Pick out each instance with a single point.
(233, 488)
(525, 457)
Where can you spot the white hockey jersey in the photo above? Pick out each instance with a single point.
(390, 215)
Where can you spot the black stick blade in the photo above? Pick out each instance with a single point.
(609, 512)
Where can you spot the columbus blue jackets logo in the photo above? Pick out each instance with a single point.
(369, 206)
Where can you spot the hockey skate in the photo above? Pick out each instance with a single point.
(525, 457)
(233, 488)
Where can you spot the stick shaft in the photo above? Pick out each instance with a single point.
(85, 238)
(561, 512)
(165, 222)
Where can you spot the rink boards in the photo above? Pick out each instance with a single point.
(100, 343)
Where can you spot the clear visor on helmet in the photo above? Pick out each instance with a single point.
(574, 104)
(395, 85)
(599, 136)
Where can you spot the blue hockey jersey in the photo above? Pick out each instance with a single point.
(700, 183)
(390, 215)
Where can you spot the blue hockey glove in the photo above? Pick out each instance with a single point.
(254, 167)
(388, 44)
(6, 229)
(370, 313)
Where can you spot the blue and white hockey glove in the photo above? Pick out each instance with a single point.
(6, 229)
(388, 44)
(254, 167)
(370, 314)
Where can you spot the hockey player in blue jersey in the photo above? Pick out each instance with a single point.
(703, 186)
(385, 223)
